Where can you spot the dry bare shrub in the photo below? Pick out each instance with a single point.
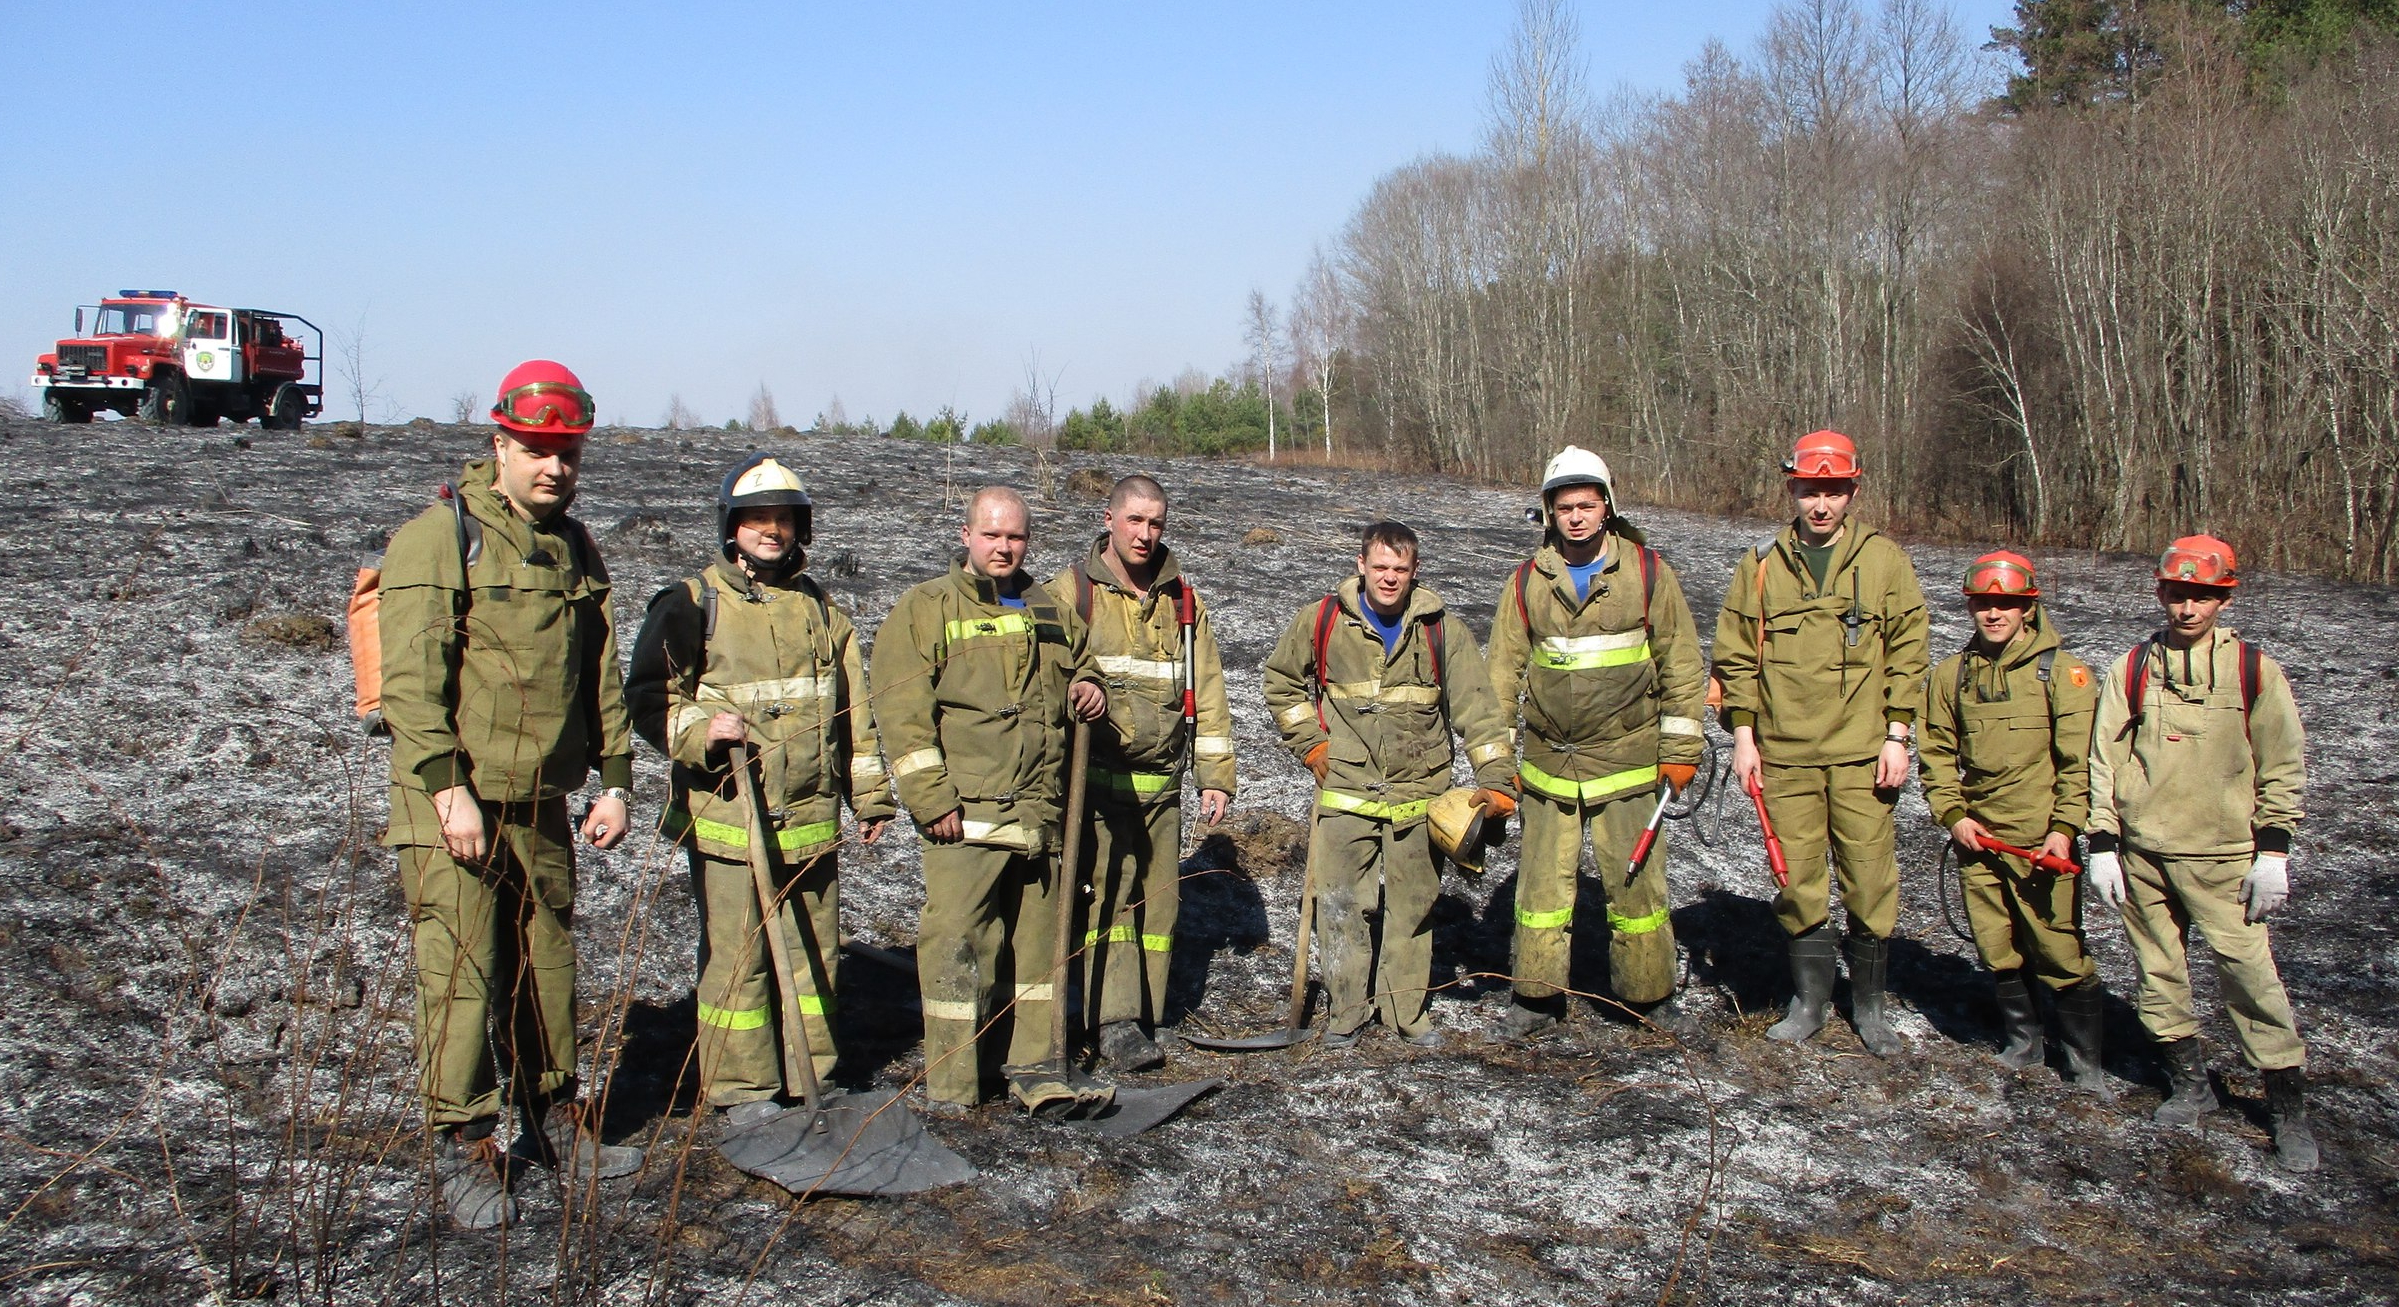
(1261, 535)
(313, 442)
(1255, 844)
(1090, 482)
(294, 631)
(345, 431)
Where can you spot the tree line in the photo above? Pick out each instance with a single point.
(2147, 285)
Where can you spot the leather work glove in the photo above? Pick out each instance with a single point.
(1678, 775)
(2104, 877)
(2267, 885)
(1316, 759)
(1497, 803)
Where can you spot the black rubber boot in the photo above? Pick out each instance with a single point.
(472, 1174)
(1125, 1049)
(2081, 1020)
(2193, 1096)
(2019, 1022)
(2286, 1104)
(1812, 967)
(1869, 968)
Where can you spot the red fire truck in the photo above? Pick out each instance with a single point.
(155, 355)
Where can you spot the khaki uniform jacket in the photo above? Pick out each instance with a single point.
(2188, 780)
(788, 661)
(510, 686)
(1838, 663)
(2013, 752)
(1388, 720)
(1137, 646)
(971, 698)
(1610, 689)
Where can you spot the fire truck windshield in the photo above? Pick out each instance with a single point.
(132, 319)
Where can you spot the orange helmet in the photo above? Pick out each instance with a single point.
(2003, 573)
(1823, 456)
(544, 403)
(2199, 560)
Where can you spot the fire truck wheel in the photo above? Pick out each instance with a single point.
(168, 401)
(67, 411)
(289, 409)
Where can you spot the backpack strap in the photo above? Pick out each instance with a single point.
(2136, 686)
(1433, 633)
(1649, 581)
(2253, 673)
(1324, 632)
(707, 611)
(1524, 608)
(1082, 593)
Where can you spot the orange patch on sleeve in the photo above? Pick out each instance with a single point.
(2081, 676)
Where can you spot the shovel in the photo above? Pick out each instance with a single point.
(868, 1144)
(1294, 1029)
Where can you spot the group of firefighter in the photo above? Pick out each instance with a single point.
(2180, 768)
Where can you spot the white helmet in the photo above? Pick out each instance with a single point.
(1576, 466)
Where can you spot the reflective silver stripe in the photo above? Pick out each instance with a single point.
(1377, 692)
(1678, 726)
(1146, 668)
(1295, 714)
(1211, 746)
(865, 764)
(1483, 753)
(996, 832)
(1567, 645)
(936, 1010)
(911, 763)
(687, 717)
(789, 687)
(1033, 993)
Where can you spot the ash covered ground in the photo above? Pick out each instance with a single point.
(204, 1052)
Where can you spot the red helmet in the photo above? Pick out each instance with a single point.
(2199, 560)
(1823, 456)
(2002, 573)
(544, 403)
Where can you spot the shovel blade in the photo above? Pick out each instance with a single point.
(1272, 1039)
(1136, 1110)
(870, 1145)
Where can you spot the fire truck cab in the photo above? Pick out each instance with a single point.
(155, 355)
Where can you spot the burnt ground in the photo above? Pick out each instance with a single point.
(204, 1058)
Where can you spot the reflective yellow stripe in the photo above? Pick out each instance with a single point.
(786, 839)
(729, 1019)
(1336, 801)
(1295, 714)
(1678, 726)
(976, 628)
(993, 832)
(1640, 925)
(1565, 653)
(1378, 692)
(1531, 920)
(1211, 746)
(1158, 943)
(937, 1010)
(1137, 782)
(911, 763)
(1556, 787)
(1483, 753)
(1146, 669)
(1114, 935)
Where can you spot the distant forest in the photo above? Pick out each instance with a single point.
(2125, 272)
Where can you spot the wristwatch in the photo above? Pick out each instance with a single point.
(618, 793)
(1895, 734)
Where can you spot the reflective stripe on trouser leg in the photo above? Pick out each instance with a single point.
(1640, 927)
(1134, 870)
(1545, 890)
(740, 1046)
(1366, 866)
(1835, 810)
(2164, 896)
(987, 933)
(495, 965)
(2023, 920)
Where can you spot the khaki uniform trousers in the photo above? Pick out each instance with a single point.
(495, 960)
(1368, 866)
(986, 951)
(1835, 809)
(1640, 928)
(2025, 920)
(1135, 870)
(740, 1042)
(2164, 897)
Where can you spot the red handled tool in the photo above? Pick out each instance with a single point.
(1774, 843)
(2048, 862)
(1649, 834)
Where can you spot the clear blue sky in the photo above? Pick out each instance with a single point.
(894, 202)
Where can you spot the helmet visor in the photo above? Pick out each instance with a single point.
(545, 406)
(2000, 576)
(2198, 565)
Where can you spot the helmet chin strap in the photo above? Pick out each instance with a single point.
(790, 562)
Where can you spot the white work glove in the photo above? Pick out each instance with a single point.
(2267, 885)
(2103, 876)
